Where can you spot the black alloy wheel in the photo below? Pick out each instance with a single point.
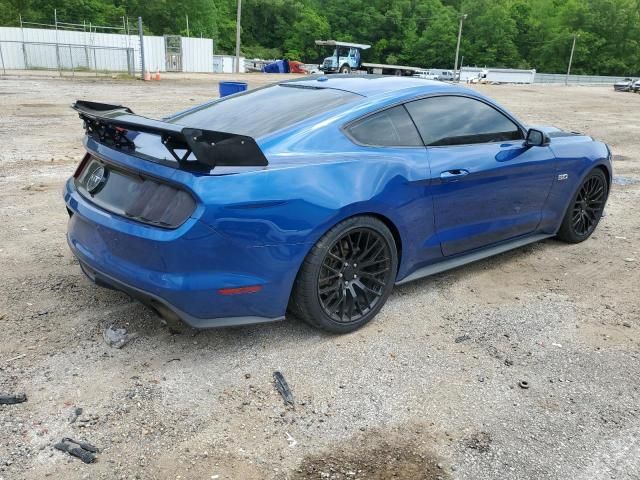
(347, 276)
(586, 208)
(354, 274)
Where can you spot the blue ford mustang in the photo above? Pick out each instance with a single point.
(316, 196)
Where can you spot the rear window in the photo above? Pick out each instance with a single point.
(389, 128)
(263, 111)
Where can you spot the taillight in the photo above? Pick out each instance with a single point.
(81, 165)
(132, 194)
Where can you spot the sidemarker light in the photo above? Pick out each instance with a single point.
(240, 290)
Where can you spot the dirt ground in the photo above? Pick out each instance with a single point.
(429, 390)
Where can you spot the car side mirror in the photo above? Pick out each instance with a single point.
(537, 138)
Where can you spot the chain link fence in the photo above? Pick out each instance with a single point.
(72, 49)
(69, 48)
(66, 58)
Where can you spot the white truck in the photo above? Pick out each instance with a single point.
(347, 58)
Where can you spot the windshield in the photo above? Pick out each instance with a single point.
(265, 110)
(342, 51)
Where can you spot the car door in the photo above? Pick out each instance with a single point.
(354, 58)
(487, 185)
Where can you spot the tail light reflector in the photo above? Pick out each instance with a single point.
(240, 290)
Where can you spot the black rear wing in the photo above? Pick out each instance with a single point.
(109, 124)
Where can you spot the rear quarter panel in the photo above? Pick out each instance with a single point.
(298, 203)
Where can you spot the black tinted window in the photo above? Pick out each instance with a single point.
(389, 128)
(265, 110)
(450, 120)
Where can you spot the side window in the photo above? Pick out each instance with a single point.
(389, 128)
(452, 120)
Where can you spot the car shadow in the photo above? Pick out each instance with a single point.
(293, 331)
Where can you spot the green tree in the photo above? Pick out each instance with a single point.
(508, 33)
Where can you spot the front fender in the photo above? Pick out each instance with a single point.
(577, 156)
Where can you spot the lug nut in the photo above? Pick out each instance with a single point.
(340, 275)
(355, 265)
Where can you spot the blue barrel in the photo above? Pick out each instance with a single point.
(229, 88)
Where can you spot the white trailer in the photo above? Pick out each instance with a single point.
(496, 75)
(384, 69)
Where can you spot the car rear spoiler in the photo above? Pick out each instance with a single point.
(109, 124)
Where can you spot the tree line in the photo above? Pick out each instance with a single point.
(497, 33)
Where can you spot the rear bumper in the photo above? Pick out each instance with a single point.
(164, 309)
(181, 271)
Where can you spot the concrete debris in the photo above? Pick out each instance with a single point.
(117, 337)
(292, 441)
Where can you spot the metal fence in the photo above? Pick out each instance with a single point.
(65, 58)
(68, 47)
(506, 75)
(71, 48)
(576, 79)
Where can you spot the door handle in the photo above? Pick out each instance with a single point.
(453, 175)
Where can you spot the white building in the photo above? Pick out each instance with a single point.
(37, 48)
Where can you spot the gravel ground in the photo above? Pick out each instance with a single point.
(429, 390)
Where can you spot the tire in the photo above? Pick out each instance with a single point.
(345, 68)
(341, 296)
(585, 209)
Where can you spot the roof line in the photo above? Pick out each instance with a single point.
(322, 88)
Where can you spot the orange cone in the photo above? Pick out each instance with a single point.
(147, 76)
(158, 74)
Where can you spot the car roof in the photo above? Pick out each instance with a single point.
(371, 85)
